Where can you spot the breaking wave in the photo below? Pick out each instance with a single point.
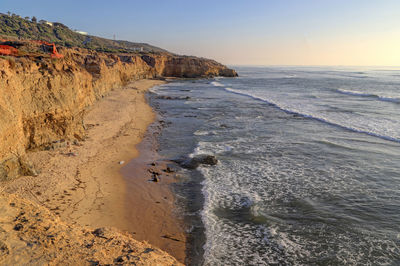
(372, 132)
(370, 95)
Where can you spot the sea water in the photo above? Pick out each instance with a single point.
(309, 165)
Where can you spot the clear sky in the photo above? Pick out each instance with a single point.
(247, 32)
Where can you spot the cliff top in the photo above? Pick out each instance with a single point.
(15, 27)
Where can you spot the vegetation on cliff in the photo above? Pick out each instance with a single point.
(25, 28)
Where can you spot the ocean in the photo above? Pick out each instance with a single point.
(309, 165)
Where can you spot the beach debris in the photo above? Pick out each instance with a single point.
(121, 162)
(151, 171)
(120, 259)
(73, 154)
(155, 179)
(27, 168)
(100, 232)
(168, 170)
(163, 97)
(171, 238)
(154, 175)
(88, 126)
(18, 227)
(148, 250)
(56, 145)
(193, 163)
(4, 251)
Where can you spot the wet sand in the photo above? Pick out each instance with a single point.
(81, 182)
(153, 201)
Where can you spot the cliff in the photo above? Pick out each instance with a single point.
(43, 100)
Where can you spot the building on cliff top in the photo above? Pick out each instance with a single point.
(81, 32)
(46, 22)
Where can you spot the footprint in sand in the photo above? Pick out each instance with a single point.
(4, 251)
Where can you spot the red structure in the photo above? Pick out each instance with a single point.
(54, 53)
(8, 50)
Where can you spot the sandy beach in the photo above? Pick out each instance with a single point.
(81, 182)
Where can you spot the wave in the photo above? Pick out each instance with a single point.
(201, 133)
(217, 84)
(363, 94)
(315, 117)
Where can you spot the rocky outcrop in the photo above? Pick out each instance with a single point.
(43, 101)
(191, 67)
(194, 162)
(32, 235)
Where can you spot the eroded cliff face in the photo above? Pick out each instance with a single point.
(42, 101)
(191, 67)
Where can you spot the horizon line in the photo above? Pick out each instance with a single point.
(294, 65)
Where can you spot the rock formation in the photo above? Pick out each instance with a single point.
(193, 163)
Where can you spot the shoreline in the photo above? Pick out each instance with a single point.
(83, 182)
(154, 201)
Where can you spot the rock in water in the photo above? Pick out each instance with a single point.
(206, 159)
(193, 163)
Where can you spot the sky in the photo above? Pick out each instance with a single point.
(240, 32)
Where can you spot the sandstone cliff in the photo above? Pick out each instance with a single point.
(42, 101)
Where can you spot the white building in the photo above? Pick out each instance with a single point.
(138, 49)
(81, 32)
(46, 22)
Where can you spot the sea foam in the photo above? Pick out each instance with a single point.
(387, 131)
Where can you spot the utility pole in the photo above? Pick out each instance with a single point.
(114, 37)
